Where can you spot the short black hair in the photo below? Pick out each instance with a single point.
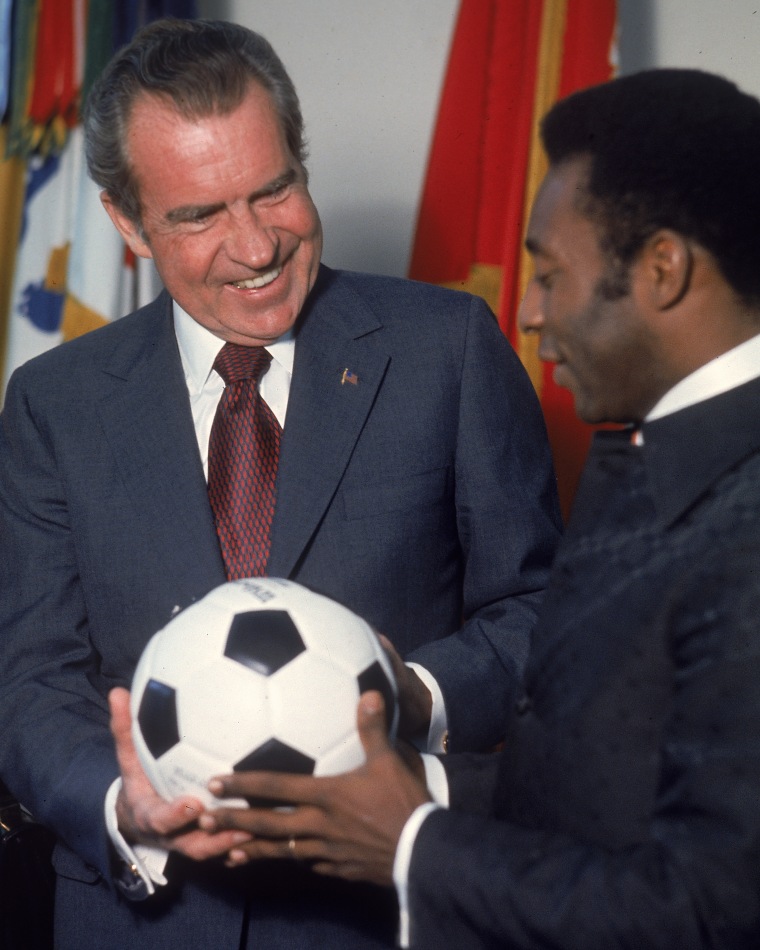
(668, 148)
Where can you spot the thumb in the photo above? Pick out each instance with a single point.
(371, 723)
(121, 729)
(121, 719)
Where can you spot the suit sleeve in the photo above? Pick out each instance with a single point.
(57, 753)
(508, 523)
(689, 880)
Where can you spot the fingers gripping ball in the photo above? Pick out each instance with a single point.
(260, 674)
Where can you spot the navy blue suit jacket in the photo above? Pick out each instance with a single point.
(625, 809)
(422, 497)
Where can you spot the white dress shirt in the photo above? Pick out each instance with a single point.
(727, 371)
(198, 348)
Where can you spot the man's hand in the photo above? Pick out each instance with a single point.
(146, 818)
(414, 700)
(345, 825)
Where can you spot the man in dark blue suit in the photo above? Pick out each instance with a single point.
(414, 486)
(624, 809)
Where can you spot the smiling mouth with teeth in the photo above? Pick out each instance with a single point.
(254, 283)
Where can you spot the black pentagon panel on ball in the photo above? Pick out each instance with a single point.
(157, 717)
(276, 756)
(374, 677)
(263, 640)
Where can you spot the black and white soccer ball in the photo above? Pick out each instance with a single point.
(261, 673)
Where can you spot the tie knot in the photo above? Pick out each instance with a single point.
(235, 362)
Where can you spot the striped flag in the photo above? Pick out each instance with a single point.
(509, 62)
(66, 270)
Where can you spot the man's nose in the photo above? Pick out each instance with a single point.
(250, 241)
(530, 315)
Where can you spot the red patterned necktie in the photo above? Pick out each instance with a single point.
(243, 452)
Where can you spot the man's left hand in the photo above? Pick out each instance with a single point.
(344, 825)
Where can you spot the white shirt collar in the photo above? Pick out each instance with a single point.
(730, 369)
(199, 347)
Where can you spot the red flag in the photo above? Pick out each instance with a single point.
(55, 79)
(508, 63)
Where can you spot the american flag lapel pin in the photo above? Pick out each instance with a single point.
(349, 377)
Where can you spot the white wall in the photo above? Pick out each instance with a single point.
(369, 73)
(721, 36)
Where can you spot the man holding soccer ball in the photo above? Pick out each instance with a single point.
(623, 811)
(404, 473)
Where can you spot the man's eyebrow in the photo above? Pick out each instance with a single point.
(282, 181)
(190, 213)
(197, 212)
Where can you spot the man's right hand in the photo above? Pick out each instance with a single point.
(144, 817)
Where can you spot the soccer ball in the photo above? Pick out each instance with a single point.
(259, 674)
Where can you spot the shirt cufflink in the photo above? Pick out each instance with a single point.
(130, 883)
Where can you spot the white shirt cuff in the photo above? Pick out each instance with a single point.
(147, 861)
(439, 724)
(401, 865)
(436, 780)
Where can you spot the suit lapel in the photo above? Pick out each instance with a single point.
(326, 412)
(146, 415)
(147, 420)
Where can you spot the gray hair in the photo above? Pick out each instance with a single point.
(201, 67)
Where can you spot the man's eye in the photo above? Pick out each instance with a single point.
(277, 194)
(201, 217)
(196, 217)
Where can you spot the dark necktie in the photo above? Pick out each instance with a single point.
(243, 452)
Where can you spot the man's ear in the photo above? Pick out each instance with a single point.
(667, 261)
(126, 227)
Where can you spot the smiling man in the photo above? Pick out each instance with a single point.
(226, 215)
(623, 811)
(374, 439)
(589, 330)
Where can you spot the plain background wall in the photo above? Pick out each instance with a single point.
(369, 74)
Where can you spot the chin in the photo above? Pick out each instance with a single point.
(588, 413)
(599, 417)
